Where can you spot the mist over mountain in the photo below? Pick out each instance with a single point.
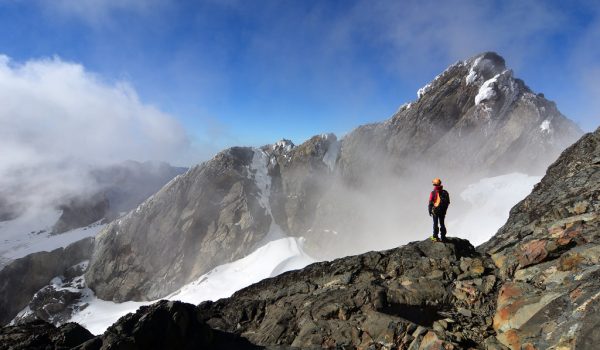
(475, 125)
(533, 285)
(46, 218)
(344, 196)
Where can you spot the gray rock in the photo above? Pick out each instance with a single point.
(42, 335)
(39, 268)
(209, 216)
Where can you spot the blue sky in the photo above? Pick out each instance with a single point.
(252, 72)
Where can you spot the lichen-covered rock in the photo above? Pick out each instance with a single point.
(547, 255)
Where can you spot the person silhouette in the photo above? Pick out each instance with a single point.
(439, 200)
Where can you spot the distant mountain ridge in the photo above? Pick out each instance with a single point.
(121, 188)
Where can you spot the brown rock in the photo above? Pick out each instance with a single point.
(532, 253)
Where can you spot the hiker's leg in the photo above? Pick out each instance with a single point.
(442, 226)
(435, 226)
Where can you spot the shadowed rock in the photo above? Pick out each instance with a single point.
(23, 277)
(40, 335)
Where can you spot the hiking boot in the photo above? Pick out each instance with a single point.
(435, 239)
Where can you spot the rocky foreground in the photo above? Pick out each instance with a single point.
(535, 285)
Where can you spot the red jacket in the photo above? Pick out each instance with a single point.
(443, 207)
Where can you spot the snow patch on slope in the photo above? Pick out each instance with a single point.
(546, 127)
(486, 91)
(472, 76)
(331, 155)
(30, 233)
(270, 260)
(491, 200)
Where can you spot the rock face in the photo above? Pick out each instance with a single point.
(475, 114)
(215, 213)
(206, 217)
(548, 254)
(164, 325)
(42, 335)
(23, 277)
(219, 211)
(81, 212)
(299, 177)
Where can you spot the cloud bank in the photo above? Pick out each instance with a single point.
(57, 120)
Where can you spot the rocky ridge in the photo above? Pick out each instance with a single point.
(548, 254)
(532, 286)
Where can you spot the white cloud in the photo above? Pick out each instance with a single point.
(57, 119)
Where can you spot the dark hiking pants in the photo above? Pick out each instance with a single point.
(442, 227)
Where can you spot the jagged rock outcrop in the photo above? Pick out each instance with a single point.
(166, 325)
(40, 335)
(163, 325)
(23, 277)
(59, 300)
(548, 256)
(423, 294)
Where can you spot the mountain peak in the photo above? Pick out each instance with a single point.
(485, 65)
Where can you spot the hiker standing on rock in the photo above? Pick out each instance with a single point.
(439, 200)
